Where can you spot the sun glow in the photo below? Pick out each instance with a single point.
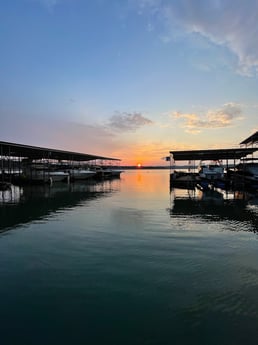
(139, 165)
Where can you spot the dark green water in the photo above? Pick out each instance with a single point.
(128, 262)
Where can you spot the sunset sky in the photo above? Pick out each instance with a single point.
(131, 79)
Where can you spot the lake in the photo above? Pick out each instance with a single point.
(128, 261)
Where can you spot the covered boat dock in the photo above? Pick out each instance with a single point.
(20, 151)
(191, 179)
(213, 154)
(14, 156)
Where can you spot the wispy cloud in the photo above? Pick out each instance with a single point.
(49, 4)
(227, 23)
(213, 119)
(153, 5)
(128, 121)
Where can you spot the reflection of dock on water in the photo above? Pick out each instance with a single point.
(4, 185)
(215, 205)
(24, 204)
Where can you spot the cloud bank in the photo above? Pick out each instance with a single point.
(127, 121)
(227, 23)
(213, 119)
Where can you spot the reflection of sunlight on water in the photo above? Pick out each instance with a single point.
(128, 258)
(139, 178)
(154, 182)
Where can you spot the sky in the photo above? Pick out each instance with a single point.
(129, 79)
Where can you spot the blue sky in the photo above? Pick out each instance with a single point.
(131, 79)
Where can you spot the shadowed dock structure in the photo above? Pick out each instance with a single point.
(8, 149)
(25, 162)
(251, 140)
(191, 179)
(214, 154)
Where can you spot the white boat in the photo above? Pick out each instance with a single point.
(211, 171)
(112, 172)
(45, 176)
(81, 174)
(106, 172)
(58, 176)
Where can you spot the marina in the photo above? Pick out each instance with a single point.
(129, 172)
(224, 168)
(24, 164)
(233, 168)
(86, 245)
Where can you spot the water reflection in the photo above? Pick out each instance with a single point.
(10, 195)
(216, 205)
(21, 205)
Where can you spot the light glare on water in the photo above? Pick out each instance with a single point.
(128, 261)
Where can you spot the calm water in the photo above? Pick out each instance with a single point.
(128, 262)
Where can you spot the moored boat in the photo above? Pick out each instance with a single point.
(58, 176)
(106, 172)
(211, 174)
(181, 179)
(81, 174)
(212, 171)
(44, 175)
(112, 172)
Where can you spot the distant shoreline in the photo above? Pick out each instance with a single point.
(172, 167)
(143, 167)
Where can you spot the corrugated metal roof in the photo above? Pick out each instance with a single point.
(216, 154)
(35, 152)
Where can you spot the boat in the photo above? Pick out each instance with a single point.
(48, 176)
(58, 176)
(211, 174)
(81, 174)
(212, 171)
(185, 180)
(37, 174)
(105, 172)
(112, 172)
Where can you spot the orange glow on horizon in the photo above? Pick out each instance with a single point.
(139, 165)
(146, 154)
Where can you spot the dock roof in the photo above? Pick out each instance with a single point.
(253, 139)
(216, 154)
(34, 152)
